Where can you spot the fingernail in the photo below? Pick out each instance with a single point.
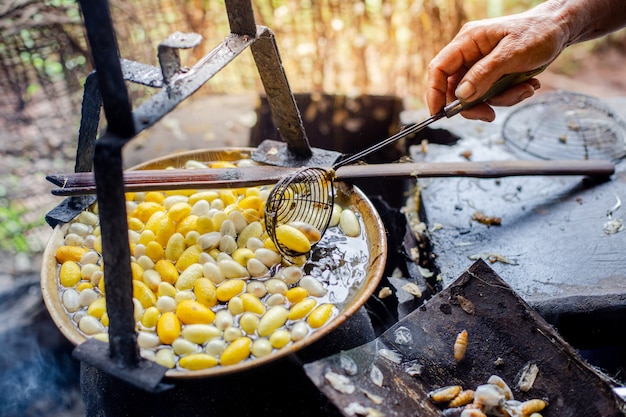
(464, 90)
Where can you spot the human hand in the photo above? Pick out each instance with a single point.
(485, 50)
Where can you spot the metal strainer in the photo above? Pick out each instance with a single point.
(308, 195)
(566, 125)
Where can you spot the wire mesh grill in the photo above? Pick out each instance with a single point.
(566, 125)
(307, 196)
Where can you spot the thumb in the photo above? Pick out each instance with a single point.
(479, 79)
(490, 70)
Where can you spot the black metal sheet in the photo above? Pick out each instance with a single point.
(505, 335)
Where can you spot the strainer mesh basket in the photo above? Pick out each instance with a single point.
(306, 197)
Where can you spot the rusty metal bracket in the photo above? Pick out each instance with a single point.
(169, 58)
(295, 151)
(281, 101)
(187, 81)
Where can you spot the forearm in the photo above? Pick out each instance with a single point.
(586, 19)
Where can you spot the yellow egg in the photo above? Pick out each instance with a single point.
(252, 303)
(296, 294)
(154, 251)
(165, 230)
(320, 315)
(272, 320)
(178, 212)
(280, 338)
(250, 202)
(97, 308)
(189, 257)
(188, 224)
(204, 224)
(175, 247)
(166, 289)
(136, 271)
(309, 231)
(145, 210)
(222, 164)
(188, 278)
(146, 237)
(84, 286)
(155, 196)
(242, 255)
(104, 319)
(135, 224)
(150, 317)
(154, 221)
(301, 309)
(203, 195)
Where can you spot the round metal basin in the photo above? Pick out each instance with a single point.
(346, 195)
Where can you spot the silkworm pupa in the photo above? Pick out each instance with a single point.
(460, 346)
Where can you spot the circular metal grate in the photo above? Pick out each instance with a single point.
(566, 125)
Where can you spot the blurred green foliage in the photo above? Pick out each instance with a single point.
(14, 227)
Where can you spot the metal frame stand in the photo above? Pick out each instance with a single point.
(106, 88)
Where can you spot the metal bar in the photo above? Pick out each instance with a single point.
(185, 84)
(268, 62)
(182, 85)
(169, 58)
(108, 174)
(89, 120)
(241, 17)
(115, 98)
(280, 99)
(68, 209)
(108, 170)
(144, 74)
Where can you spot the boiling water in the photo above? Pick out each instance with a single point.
(340, 263)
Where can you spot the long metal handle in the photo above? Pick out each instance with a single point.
(450, 110)
(401, 134)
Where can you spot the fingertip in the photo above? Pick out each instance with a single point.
(535, 83)
(435, 100)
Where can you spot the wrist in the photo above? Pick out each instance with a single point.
(583, 20)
